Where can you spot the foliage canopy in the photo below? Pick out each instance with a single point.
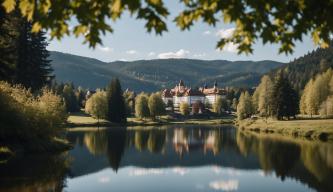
(279, 22)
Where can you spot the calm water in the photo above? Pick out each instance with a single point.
(174, 159)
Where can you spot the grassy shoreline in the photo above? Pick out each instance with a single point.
(81, 120)
(309, 129)
(9, 149)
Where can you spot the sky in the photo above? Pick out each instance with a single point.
(130, 41)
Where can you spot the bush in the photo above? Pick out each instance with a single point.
(184, 108)
(23, 115)
(97, 105)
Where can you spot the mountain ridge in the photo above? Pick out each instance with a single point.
(156, 74)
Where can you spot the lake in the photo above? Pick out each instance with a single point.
(174, 158)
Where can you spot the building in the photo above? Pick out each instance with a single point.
(180, 93)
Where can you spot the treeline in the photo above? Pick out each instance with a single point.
(29, 109)
(115, 106)
(302, 69)
(23, 54)
(317, 97)
(272, 98)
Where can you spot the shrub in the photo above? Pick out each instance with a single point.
(184, 108)
(23, 115)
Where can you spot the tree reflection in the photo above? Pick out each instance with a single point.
(156, 140)
(309, 161)
(116, 147)
(34, 173)
(141, 139)
(96, 142)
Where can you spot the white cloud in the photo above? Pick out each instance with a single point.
(144, 172)
(105, 49)
(229, 47)
(179, 54)
(228, 185)
(207, 32)
(104, 179)
(150, 54)
(131, 52)
(225, 33)
(180, 171)
(199, 55)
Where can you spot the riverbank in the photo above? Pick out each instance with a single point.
(310, 129)
(12, 148)
(83, 120)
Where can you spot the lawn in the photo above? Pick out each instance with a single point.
(321, 129)
(84, 120)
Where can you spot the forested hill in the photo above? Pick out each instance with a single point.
(302, 69)
(152, 75)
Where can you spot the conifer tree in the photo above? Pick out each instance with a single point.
(116, 103)
(285, 98)
(265, 96)
(245, 106)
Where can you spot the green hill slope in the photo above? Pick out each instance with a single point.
(152, 75)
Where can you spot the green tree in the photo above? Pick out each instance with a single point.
(245, 106)
(265, 96)
(234, 104)
(279, 22)
(33, 69)
(70, 98)
(116, 103)
(141, 106)
(184, 108)
(220, 105)
(285, 99)
(97, 105)
(129, 97)
(156, 105)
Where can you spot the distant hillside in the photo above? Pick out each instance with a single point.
(302, 69)
(152, 75)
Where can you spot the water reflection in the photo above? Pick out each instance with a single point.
(205, 158)
(34, 173)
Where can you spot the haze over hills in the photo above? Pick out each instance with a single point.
(153, 75)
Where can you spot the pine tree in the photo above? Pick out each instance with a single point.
(116, 103)
(285, 98)
(9, 24)
(33, 68)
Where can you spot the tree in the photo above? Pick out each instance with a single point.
(184, 108)
(116, 103)
(156, 105)
(326, 108)
(97, 105)
(234, 104)
(316, 91)
(280, 22)
(220, 105)
(8, 45)
(265, 96)
(245, 106)
(141, 106)
(70, 98)
(129, 97)
(285, 99)
(33, 68)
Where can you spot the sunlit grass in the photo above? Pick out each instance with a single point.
(308, 128)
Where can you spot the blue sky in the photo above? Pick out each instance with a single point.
(130, 41)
